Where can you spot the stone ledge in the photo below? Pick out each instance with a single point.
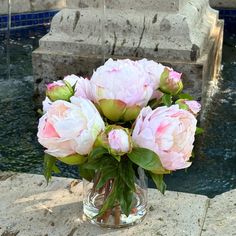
(221, 216)
(29, 207)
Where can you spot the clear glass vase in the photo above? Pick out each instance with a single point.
(114, 217)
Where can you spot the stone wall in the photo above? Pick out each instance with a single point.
(19, 6)
(183, 34)
(39, 5)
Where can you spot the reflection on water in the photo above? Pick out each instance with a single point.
(19, 149)
(213, 171)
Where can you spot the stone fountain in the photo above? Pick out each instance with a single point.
(184, 34)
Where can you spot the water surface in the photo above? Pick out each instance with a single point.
(213, 170)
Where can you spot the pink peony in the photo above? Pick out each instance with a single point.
(171, 82)
(81, 86)
(169, 132)
(55, 84)
(71, 79)
(70, 128)
(118, 140)
(121, 88)
(193, 106)
(46, 104)
(157, 95)
(190, 105)
(175, 76)
(154, 70)
(59, 90)
(83, 89)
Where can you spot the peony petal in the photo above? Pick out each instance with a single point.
(169, 132)
(72, 79)
(68, 128)
(46, 104)
(49, 131)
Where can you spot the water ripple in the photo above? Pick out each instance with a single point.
(212, 172)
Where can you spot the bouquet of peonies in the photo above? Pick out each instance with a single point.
(130, 115)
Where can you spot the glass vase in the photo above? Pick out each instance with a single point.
(114, 217)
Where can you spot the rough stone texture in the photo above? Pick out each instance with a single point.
(223, 3)
(18, 6)
(134, 28)
(221, 216)
(29, 207)
(184, 34)
(37, 5)
(172, 5)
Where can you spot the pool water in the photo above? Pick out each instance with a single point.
(19, 149)
(214, 167)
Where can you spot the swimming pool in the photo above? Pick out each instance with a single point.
(213, 171)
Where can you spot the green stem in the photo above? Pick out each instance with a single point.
(108, 188)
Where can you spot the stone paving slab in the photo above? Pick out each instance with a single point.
(30, 208)
(221, 216)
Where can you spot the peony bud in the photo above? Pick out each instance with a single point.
(116, 110)
(72, 79)
(192, 106)
(156, 98)
(119, 141)
(59, 90)
(116, 139)
(171, 82)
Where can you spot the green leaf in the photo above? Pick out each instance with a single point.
(159, 182)
(40, 112)
(125, 197)
(98, 152)
(127, 174)
(199, 131)
(167, 99)
(93, 164)
(86, 173)
(182, 105)
(75, 159)
(99, 163)
(106, 174)
(69, 86)
(185, 96)
(118, 158)
(50, 167)
(154, 103)
(128, 198)
(148, 160)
